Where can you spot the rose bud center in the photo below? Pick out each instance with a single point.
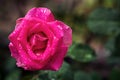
(38, 42)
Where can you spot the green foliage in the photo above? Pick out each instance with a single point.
(82, 76)
(82, 53)
(66, 73)
(104, 21)
(63, 74)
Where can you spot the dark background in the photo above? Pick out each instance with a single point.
(94, 54)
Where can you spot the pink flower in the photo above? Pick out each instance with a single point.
(39, 42)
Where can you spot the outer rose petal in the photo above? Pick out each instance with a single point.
(40, 13)
(67, 38)
(13, 37)
(62, 30)
(14, 51)
(57, 60)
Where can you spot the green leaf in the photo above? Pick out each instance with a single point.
(104, 21)
(82, 76)
(64, 73)
(43, 75)
(82, 53)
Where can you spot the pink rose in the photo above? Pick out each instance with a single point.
(39, 42)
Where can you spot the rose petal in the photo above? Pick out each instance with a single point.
(67, 38)
(18, 22)
(38, 41)
(62, 30)
(14, 51)
(41, 13)
(56, 60)
(13, 37)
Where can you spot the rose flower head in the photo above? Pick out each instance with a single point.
(39, 41)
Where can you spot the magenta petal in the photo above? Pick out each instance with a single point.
(41, 13)
(56, 62)
(13, 37)
(18, 22)
(62, 30)
(14, 51)
(67, 38)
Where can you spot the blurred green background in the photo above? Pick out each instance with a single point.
(94, 54)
